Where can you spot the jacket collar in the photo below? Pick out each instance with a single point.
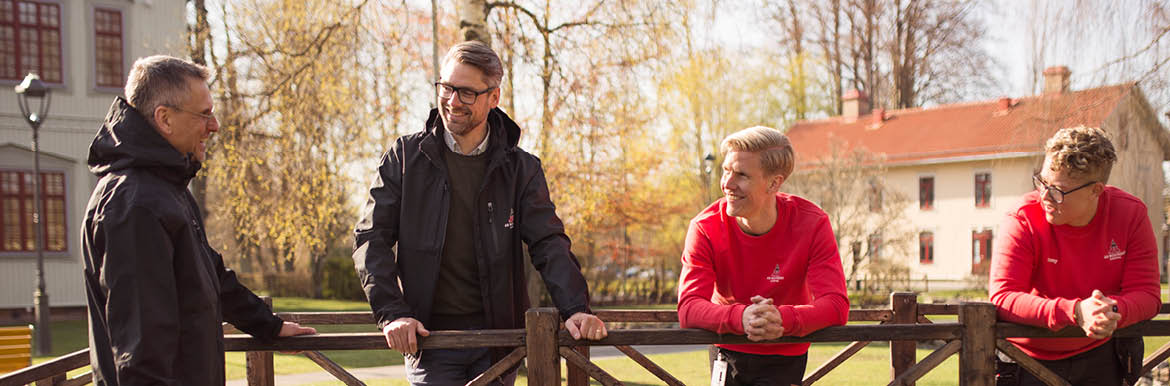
(127, 141)
(503, 135)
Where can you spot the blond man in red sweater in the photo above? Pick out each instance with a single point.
(761, 263)
(1076, 252)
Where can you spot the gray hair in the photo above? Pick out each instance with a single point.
(161, 80)
(479, 55)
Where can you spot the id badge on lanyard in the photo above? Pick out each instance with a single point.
(719, 371)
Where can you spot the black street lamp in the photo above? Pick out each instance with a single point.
(708, 167)
(33, 88)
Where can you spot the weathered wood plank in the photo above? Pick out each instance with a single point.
(650, 366)
(354, 317)
(258, 365)
(594, 372)
(374, 341)
(544, 365)
(1146, 328)
(931, 361)
(870, 315)
(333, 368)
(61, 365)
(902, 353)
(977, 354)
(672, 336)
(83, 379)
(259, 368)
(500, 368)
(53, 380)
(1158, 356)
(938, 309)
(1031, 365)
(832, 363)
(577, 376)
(638, 316)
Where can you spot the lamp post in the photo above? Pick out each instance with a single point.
(708, 166)
(33, 88)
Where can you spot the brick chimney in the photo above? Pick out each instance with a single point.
(856, 104)
(1056, 79)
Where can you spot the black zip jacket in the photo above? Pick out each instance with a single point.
(157, 293)
(408, 206)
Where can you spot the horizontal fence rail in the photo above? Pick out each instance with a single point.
(974, 337)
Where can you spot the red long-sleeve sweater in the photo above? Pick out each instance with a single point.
(795, 263)
(1039, 270)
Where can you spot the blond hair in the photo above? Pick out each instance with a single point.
(776, 154)
(1082, 152)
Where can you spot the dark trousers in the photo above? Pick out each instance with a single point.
(451, 367)
(763, 370)
(1097, 367)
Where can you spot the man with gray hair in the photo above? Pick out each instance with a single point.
(1076, 252)
(457, 199)
(760, 263)
(158, 294)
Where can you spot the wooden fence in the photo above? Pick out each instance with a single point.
(975, 337)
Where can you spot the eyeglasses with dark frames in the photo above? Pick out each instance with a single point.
(466, 95)
(1053, 192)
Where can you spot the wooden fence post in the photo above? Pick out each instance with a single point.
(903, 353)
(977, 356)
(577, 376)
(544, 358)
(259, 363)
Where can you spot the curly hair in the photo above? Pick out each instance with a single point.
(1082, 152)
(776, 154)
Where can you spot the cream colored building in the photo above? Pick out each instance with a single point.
(963, 166)
(83, 50)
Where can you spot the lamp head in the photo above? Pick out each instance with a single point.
(32, 86)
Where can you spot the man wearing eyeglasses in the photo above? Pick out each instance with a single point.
(457, 199)
(158, 294)
(1077, 252)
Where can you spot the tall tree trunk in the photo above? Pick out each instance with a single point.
(473, 20)
(199, 40)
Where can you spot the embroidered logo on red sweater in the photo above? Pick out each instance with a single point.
(1114, 252)
(775, 276)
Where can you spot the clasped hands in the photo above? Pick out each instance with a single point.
(761, 320)
(1097, 315)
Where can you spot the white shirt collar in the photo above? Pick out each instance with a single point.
(454, 145)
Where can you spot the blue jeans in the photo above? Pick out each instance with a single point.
(449, 367)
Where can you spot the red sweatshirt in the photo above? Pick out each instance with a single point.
(1039, 270)
(795, 263)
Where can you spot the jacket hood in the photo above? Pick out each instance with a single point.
(126, 141)
(496, 119)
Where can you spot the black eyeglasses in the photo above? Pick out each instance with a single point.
(466, 95)
(1053, 192)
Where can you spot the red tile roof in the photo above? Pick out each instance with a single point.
(958, 130)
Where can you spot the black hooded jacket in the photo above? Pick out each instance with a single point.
(408, 206)
(157, 293)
